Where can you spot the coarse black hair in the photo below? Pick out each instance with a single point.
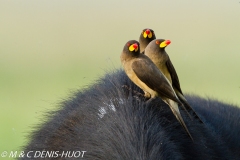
(110, 120)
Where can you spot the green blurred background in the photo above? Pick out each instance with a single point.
(50, 48)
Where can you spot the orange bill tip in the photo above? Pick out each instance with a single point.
(135, 45)
(147, 31)
(167, 42)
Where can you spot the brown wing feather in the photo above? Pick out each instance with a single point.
(148, 73)
(176, 85)
(174, 76)
(181, 121)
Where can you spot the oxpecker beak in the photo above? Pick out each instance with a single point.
(133, 47)
(165, 43)
(147, 33)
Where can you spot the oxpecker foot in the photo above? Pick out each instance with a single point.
(134, 92)
(150, 100)
(137, 98)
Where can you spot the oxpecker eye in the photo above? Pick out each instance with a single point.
(157, 42)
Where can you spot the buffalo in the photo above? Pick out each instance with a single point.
(110, 120)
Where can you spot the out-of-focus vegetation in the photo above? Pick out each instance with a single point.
(50, 48)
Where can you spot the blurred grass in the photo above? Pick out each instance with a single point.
(26, 96)
(49, 49)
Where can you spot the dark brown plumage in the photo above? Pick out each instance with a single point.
(145, 74)
(156, 52)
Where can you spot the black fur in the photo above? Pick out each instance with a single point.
(132, 129)
(220, 118)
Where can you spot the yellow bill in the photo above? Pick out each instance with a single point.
(164, 43)
(148, 34)
(133, 47)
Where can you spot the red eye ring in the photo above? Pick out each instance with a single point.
(128, 44)
(157, 42)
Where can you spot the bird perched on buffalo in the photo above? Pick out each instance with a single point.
(145, 38)
(145, 74)
(156, 52)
